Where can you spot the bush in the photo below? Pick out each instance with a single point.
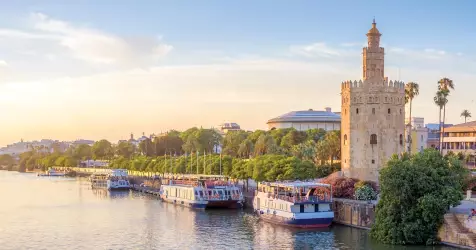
(416, 192)
(372, 184)
(342, 187)
(326, 170)
(364, 192)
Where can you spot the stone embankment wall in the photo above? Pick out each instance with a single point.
(355, 213)
(457, 231)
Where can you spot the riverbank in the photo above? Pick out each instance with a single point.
(354, 213)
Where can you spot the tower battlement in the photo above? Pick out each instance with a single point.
(349, 84)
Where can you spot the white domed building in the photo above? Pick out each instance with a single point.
(307, 119)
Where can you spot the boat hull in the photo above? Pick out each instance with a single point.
(297, 223)
(224, 204)
(185, 203)
(119, 188)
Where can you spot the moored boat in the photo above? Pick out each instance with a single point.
(52, 172)
(183, 193)
(295, 204)
(114, 179)
(201, 191)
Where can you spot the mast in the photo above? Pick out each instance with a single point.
(204, 160)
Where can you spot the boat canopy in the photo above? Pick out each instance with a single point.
(295, 184)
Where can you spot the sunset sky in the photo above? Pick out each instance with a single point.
(104, 69)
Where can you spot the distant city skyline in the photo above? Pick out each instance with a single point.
(103, 70)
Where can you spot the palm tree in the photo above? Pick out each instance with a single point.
(465, 114)
(445, 84)
(412, 90)
(440, 101)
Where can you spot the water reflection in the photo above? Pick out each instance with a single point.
(47, 213)
(106, 194)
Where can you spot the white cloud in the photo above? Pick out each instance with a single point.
(321, 49)
(98, 46)
(3, 63)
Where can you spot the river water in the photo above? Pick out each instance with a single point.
(65, 213)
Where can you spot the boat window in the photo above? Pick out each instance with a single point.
(196, 193)
(301, 208)
(201, 193)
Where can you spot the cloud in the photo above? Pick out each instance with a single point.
(97, 46)
(3, 63)
(321, 49)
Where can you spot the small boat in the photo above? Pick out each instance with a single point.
(52, 172)
(183, 193)
(295, 204)
(201, 191)
(114, 179)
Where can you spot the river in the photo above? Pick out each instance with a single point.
(65, 213)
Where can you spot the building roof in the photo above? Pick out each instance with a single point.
(230, 125)
(374, 30)
(307, 116)
(436, 126)
(463, 127)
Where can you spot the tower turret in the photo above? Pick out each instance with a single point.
(373, 36)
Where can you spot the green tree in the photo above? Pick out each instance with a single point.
(125, 149)
(440, 101)
(265, 145)
(305, 151)
(292, 138)
(465, 114)
(315, 134)
(82, 152)
(147, 148)
(333, 142)
(412, 90)
(445, 85)
(246, 148)
(232, 142)
(6, 160)
(102, 150)
(415, 192)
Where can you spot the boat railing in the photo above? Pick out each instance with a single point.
(299, 199)
(223, 197)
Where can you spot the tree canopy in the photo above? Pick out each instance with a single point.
(415, 193)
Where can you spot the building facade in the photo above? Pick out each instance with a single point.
(460, 138)
(433, 140)
(229, 126)
(307, 119)
(419, 134)
(373, 115)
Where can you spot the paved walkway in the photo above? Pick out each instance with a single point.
(464, 208)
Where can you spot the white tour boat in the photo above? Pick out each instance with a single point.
(201, 191)
(53, 172)
(114, 179)
(295, 204)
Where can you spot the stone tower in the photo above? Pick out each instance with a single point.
(373, 115)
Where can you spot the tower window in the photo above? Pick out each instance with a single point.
(388, 111)
(400, 111)
(401, 140)
(386, 99)
(373, 111)
(373, 139)
(345, 111)
(345, 139)
(357, 111)
(373, 161)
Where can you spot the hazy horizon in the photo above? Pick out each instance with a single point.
(88, 70)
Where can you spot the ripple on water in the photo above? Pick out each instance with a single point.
(61, 213)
